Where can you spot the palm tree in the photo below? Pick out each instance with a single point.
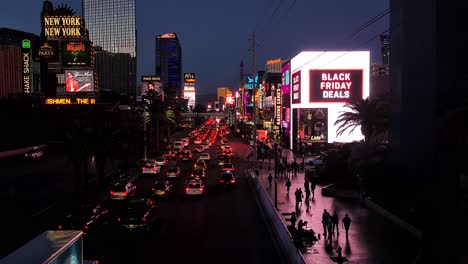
(370, 115)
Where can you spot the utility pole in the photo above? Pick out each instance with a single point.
(254, 115)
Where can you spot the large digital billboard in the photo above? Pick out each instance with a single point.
(151, 83)
(76, 53)
(189, 77)
(327, 80)
(48, 50)
(79, 81)
(335, 85)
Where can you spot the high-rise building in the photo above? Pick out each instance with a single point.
(111, 26)
(385, 46)
(169, 63)
(274, 65)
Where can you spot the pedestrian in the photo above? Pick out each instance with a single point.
(298, 195)
(346, 223)
(306, 184)
(288, 185)
(293, 220)
(335, 220)
(301, 195)
(312, 188)
(325, 219)
(270, 179)
(307, 191)
(330, 228)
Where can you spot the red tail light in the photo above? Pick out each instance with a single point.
(143, 168)
(187, 189)
(112, 192)
(143, 220)
(86, 227)
(124, 193)
(180, 156)
(221, 180)
(60, 227)
(153, 189)
(118, 219)
(233, 181)
(201, 189)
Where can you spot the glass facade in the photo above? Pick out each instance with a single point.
(111, 24)
(169, 63)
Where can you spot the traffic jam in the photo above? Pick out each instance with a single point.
(203, 151)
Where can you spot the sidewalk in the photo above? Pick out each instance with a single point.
(372, 238)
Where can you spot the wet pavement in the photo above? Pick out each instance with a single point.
(372, 238)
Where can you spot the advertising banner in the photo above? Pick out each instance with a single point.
(151, 85)
(76, 53)
(278, 109)
(47, 51)
(285, 75)
(248, 102)
(79, 81)
(189, 77)
(313, 124)
(296, 87)
(335, 86)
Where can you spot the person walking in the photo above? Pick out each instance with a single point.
(293, 220)
(312, 188)
(270, 179)
(288, 185)
(346, 222)
(335, 221)
(325, 220)
(297, 195)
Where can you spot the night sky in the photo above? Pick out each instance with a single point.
(216, 35)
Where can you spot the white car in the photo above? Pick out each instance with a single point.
(161, 161)
(34, 153)
(151, 168)
(195, 187)
(205, 156)
(122, 191)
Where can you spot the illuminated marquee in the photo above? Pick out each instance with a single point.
(26, 65)
(70, 101)
(189, 77)
(296, 88)
(335, 85)
(150, 78)
(63, 27)
(278, 108)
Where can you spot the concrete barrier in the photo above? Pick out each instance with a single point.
(21, 151)
(276, 225)
(330, 191)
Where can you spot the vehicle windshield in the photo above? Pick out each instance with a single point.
(194, 185)
(149, 166)
(172, 170)
(119, 188)
(137, 209)
(227, 176)
(160, 186)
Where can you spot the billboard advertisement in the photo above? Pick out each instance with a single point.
(47, 51)
(189, 77)
(335, 85)
(151, 82)
(296, 87)
(285, 78)
(328, 80)
(79, 81)
(248, 102)
(312, 124)
(76, 53)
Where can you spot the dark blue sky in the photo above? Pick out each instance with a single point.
(216, 35)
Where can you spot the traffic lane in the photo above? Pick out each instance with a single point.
(208, 229)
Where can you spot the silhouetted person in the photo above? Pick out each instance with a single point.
(293, 219)
(306, 184)
(312, 188)
(325, 220)
(346, 223)
(270, 179)
(288, 185)
(300, 225)
(335, 221)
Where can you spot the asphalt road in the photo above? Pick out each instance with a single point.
(224, 226)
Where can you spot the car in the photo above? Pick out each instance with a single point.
(34, 153)
(223, 159)
(186, 141)
(173, 172)
(228, 167)
(205, 156)
(224, 141)
(138, 215)
(179, 145)
(200, 163)
(226, 147)
(171, 154)
(185, 155)
(161, 161)
(227, 152)
(195, 187)
(199, 149)
(150, 168)
(198, 174)
(227, 179)
(162, 188)
(205, 146)
(87, 217)
(122, 191)
(198, 140)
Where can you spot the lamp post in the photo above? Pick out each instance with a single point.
(276, 176)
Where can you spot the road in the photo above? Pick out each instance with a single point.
(224, 226)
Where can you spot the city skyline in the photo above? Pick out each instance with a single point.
(216, 37)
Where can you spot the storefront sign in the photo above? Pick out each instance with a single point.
(335, 86)
(26, 65)
(68, 101)
(278, 107)
(296, 87)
